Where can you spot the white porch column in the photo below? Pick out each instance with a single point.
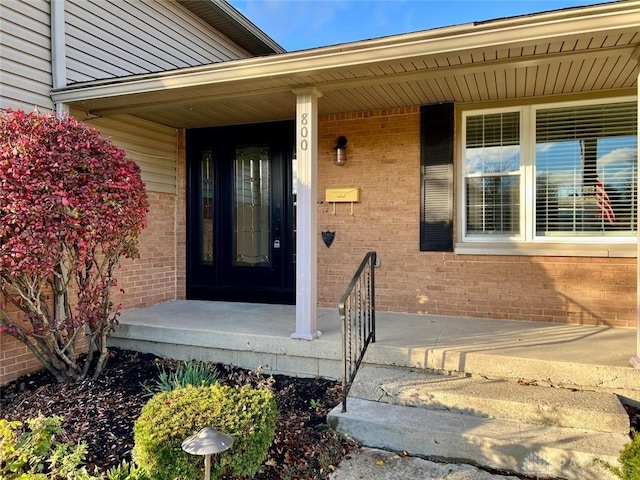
(306, 224)
(635, 361)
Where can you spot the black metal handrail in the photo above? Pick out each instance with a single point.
(357, 311)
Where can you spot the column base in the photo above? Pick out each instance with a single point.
(306, 336)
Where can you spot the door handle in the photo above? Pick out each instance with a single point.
(276, 241)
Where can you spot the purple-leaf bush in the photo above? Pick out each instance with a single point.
(71, 205)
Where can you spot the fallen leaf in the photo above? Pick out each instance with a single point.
(380, 463)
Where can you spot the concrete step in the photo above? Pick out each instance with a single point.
(498, 399)
(539, 451)
(532, 366)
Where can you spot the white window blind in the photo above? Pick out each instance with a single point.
(586, 173)
(492, 174)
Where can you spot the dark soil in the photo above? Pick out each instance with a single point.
(102, 412)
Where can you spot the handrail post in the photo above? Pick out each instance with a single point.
(374, 262)
(345, 375)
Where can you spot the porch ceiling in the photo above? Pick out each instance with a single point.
(564, 52)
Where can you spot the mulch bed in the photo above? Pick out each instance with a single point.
(102, 412)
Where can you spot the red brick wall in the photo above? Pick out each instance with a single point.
(150, 279)
(384, 161)
(159, 274)
(15, 359)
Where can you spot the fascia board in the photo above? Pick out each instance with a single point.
(497, 34)
(237, 27)
(246, 24)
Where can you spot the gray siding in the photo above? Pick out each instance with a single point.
(25, 57)
(152, 146)
(112, 38)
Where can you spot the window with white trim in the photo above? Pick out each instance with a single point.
(551, 173)
(492, 174)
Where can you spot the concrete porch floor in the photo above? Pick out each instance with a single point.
(257, 335)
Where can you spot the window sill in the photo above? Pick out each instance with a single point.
(613, 250)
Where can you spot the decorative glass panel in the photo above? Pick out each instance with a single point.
(492, 171)
(586, 175)
(206, 207)
(252, 207)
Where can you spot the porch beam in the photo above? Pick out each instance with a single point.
(132, 106)
(306, 225)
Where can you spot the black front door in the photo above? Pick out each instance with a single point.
(240, 240)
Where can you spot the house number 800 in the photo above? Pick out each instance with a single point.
(304, 131)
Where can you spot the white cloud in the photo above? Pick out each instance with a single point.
(544, 147)
(564, 177)
(493, 159)
(620, 156)
(620, 176)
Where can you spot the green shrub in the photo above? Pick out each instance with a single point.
(246, 414)
(187, 373)
(36, 453)
(126, 471)
(629, 461)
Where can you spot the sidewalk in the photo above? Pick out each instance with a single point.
(372, 464)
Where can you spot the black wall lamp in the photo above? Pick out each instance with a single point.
(341, 151)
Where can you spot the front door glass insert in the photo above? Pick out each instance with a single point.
(252, 207)
(206, 207)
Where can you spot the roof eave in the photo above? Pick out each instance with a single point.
(229, 21)
(518, 30)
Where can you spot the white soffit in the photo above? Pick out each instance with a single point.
(568, 51)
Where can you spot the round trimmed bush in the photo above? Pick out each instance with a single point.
(246, 414)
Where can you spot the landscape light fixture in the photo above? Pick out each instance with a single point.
(340, 157)
(207, 442)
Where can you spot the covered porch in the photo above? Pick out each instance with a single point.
(259, 336)
(556, 58)
(577, 55)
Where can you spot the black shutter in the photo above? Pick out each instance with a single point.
(436, 159)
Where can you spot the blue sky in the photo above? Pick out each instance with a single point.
(302, 24)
